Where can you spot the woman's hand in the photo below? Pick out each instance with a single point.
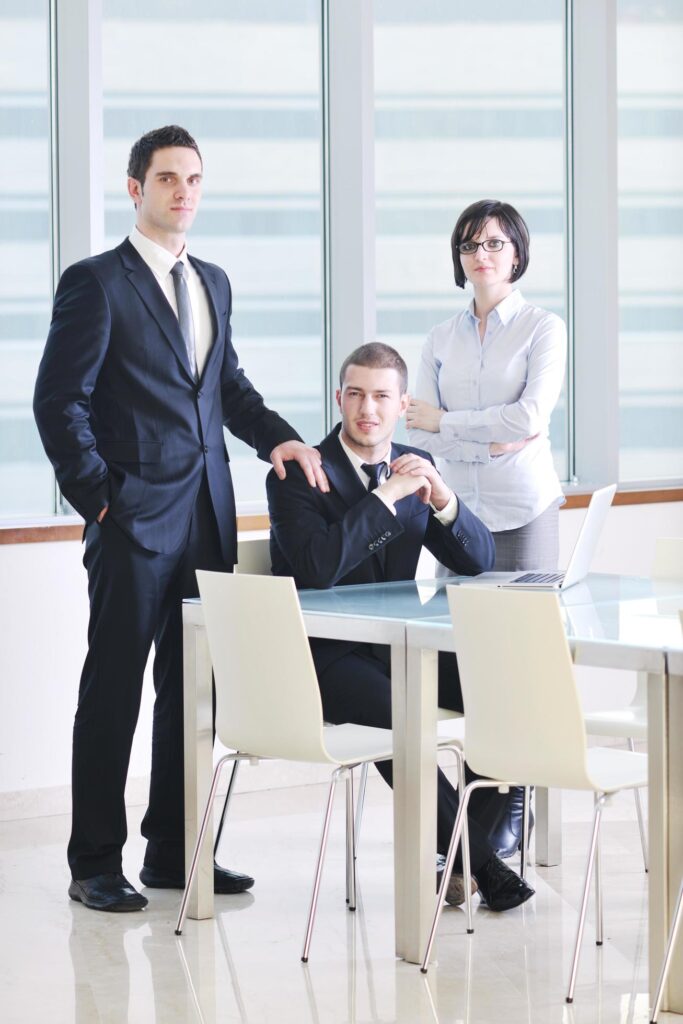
(504, 448)
(423, 416)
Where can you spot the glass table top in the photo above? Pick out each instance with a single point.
(420, 599)
(629, 610)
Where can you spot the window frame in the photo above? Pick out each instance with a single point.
(347, 240)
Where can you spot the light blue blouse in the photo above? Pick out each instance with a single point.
(503, 388)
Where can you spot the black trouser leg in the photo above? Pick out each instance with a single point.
(357, 688)
(125, 584)
(164, 824)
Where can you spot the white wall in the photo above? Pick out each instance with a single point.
(43, 611)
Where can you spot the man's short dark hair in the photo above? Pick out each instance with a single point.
(376, 356)
(472, 220)
(160, 138)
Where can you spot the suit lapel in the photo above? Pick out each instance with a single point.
(340, 472)
(146, 285)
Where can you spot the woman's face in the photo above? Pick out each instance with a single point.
(490, 269)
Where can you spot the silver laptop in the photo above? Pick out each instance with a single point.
(581, 558)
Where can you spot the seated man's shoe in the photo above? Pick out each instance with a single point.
(111, 892)
(455, 890)
(500, 888)
(224, 882)
(506, 837)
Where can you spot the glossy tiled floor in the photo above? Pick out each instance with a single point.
(61, 963)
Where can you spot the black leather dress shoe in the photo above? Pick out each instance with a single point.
(507, 836)
(224, 881)
(107, 892)
(500, 888)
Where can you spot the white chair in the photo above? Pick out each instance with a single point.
(253, 558)
(518, 681)
(668, 955)
(630, 722)
(268, 704)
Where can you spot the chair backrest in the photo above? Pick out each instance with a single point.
(522, 709)
(253, 556)
(267, 697)
(668, 560)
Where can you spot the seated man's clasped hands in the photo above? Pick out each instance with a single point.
(385, 502)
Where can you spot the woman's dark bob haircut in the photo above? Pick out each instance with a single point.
(472, 220)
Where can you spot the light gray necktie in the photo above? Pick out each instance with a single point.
(185, 313)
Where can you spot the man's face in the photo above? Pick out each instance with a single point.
(167, 201)
(371, 404)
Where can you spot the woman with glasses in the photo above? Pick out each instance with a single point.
(489, 379)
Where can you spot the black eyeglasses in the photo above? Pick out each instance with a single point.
(488, 245)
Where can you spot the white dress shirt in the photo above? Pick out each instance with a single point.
(446, 516)
(161, 262)
(503, 388)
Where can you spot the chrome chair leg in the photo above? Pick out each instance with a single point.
(524, 864)
(466, 865)
(639, 815)
(231, 785)
(584, 901)
(200, 841)
(671, 943)
(319, 867)
(448, 867)
(598, 891)
(350, 844)
(360, 803)
(460, 819)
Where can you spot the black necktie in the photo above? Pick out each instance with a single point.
(374, 471)
(185, 313)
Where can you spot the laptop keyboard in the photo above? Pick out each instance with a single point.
(539, 577)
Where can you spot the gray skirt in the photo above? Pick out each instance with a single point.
(533, 546)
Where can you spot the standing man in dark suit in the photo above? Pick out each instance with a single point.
(385, 502)
(138, 377)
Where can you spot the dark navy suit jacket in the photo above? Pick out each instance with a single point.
(349, 536)
(121, 417)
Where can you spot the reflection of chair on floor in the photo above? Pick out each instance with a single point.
(668, 955)
(630, 722)
(523, 685)
(268, 702)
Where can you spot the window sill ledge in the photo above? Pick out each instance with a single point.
(60, 528)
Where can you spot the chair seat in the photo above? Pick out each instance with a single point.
(611, 769)
(627, 722)
(350, 744)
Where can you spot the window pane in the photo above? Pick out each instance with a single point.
(26, 480)
(469, 104)
(243, 78)
(650, 154)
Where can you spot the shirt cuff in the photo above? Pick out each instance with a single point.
(385, 501)
(449, 513)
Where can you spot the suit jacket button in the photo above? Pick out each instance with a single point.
(199, 393)
(206, 448)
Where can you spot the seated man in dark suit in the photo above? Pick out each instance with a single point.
(385, 502)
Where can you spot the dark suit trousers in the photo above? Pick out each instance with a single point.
(135, 601)
(357, 688)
